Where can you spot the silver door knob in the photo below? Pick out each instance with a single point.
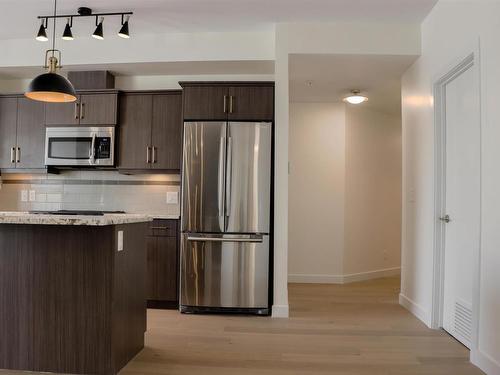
(445, 218)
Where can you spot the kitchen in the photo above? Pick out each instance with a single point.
(145, 220)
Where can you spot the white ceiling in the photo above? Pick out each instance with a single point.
(328, 78)
(18, 17)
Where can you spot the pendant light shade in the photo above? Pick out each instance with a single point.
(124, 33)
(51, 88)
(42, 34)
(99, 33)
(67, 34)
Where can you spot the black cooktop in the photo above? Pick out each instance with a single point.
(76, 212)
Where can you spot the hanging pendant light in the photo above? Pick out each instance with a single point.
(51, 87)
(99, 33)
(42, 34)
(124, 29)
(67, 34)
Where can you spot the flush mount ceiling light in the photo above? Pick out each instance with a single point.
(42, 34)
(51, 87)
(85, 12)
(355, 97)
(98, 33)
(68, 35)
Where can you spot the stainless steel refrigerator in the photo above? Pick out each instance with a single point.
(226, 199)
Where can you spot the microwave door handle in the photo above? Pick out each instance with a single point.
(92, 151)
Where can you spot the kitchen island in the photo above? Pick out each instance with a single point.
(72, 292)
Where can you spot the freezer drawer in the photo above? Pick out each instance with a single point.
(224, 271)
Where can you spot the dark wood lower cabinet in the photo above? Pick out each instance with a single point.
(163, 265)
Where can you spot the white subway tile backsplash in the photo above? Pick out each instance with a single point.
(91, 190)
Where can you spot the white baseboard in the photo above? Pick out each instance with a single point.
(343, 279)
(485, 362)
(280, 311)
(370, 275)
(415, 309)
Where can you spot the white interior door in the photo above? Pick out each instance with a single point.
(462, 202)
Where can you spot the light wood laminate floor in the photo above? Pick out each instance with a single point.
(349, 329)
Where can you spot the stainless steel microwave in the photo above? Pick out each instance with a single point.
(79, 146)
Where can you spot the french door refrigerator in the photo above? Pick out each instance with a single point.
(226, 198)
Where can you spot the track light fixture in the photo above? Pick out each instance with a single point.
(98, 33)
(85, 12)
(124, 30)
(67, 34)
(42, 33)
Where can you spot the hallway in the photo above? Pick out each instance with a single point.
(349, 329)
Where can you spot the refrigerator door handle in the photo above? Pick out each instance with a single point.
(229, 168)
(221, 176)
(249, 239)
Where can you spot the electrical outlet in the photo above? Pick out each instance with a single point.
(172, 197)
(32, 195)
(120, 240)
(24, 195)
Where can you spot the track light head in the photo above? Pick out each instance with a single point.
(99, 33)
(67, 34)
(42, 34)
(124, 33)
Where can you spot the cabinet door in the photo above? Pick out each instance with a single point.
(8, 123)
(63, 113)
(167, 268)
(30, 134)
(205, 102)
(162, 269)
(98, 109)
(167, 131)
(135, 131)
(251, 103)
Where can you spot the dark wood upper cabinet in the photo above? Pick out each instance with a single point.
(205, 102)
(89, 109)
(63, 113)
(134, 145)
(30, 134)
(8, 125)
(228, 101)
(98, 109)
(150, 132)
(251, 103)
(167, 132)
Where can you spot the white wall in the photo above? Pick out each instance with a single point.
(344, 211)
(316, 196)
(373, 193)
(451, 31)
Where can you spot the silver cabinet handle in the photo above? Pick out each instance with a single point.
(225, 105)
(221, 176)
(148, 152)
(153, 157)
(445, 218)
(82, 111)
(77, 107)
(12, 157)
(229, 167)
(92, 151)
(221, 239)
(231, 99)
(18, 155)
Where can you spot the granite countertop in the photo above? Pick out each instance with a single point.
(165, 217)
(48, 219)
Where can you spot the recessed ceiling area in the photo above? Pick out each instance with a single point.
(329, 78)
(18, 18)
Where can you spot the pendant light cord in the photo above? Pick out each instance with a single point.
(54, 31)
